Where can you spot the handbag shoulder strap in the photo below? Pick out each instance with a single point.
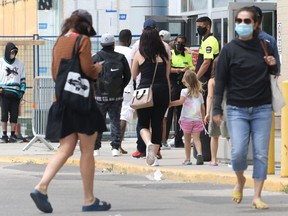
(264, 46)
(154, 72)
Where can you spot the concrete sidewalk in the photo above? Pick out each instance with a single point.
(170, 165)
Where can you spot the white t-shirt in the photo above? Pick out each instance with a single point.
(128, 90)
(11, 74)
(125, 51)
(191, 110)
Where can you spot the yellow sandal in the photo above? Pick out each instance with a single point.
(260, 205)
(237, 197)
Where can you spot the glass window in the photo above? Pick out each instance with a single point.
(267, 24)
(197, 5)
(184, 6)
(225, 31)
(221, 3)
(217, 29)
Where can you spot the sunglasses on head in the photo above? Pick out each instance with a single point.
(246, 21)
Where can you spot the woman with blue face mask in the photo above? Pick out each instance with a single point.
(244, 72)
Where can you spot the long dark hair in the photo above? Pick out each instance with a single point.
(151, 45)
(214, 67)
(78, 23)
(254, 14)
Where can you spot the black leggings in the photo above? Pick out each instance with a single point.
(153, 116)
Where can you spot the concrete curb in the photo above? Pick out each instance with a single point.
(271, 184)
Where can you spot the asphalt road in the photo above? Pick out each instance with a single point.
(130, 195)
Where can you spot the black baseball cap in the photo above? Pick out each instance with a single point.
(87, 16)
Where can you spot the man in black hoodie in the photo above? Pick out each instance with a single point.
(12, 89)
(114, 77)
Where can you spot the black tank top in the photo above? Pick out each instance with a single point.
(147, 70)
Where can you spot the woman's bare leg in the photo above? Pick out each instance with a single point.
(87, 166)
(214, 148)
(66, 149)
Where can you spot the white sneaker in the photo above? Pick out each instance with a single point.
(171, 142)
(156, 163)
(150, 157)
(229, 164)
(115, 152)
(97, 152)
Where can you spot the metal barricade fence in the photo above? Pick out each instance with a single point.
(43, 93)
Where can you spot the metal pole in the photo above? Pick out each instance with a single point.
(271, 154)
(35, 57)
(284, 134)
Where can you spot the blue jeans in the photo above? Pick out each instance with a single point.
(243, 122)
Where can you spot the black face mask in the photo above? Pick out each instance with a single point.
(180, 47)
(201, 30)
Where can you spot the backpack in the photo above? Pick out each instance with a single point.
(110, 81)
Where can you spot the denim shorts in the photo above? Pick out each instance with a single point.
(246, 122)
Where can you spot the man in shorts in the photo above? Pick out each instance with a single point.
(125, 38)
(12, 89)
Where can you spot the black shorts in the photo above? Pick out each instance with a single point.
(9, 105)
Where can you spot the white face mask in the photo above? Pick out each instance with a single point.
(12, 56)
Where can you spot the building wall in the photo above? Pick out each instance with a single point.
(115, 15)
(282, 36)
(18, 18)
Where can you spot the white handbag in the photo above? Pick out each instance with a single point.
(143, 97)
(278, 101)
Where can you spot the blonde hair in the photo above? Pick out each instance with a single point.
(192, 83)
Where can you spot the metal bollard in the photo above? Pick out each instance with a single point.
(284, 134)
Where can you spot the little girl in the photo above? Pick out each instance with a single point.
(192, 114)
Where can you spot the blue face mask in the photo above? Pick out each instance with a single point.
(244, 30)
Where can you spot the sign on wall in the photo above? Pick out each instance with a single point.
(279, 39)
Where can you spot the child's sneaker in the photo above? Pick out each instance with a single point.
(186, 162)
(199, 160)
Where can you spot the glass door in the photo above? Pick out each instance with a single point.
(176, 25)
(220, 27)
(269, 14)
